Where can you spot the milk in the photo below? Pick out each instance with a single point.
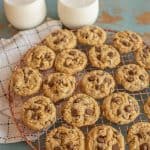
(24, 14)
(77, 13)
(20, 1)
(77, 3)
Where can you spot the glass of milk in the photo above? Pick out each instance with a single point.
(24, 14)
(77, 13)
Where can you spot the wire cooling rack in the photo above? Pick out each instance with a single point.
(36, 140)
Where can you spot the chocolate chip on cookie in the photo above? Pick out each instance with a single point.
(39, 57)
(127, 41)
(99, 137)
(138, 137)
(115, 147)
(26, 81)
(63, 137)
(105, 56)
(132, 77)
(59, 86)
(38, 112)
(81, 110)
(60, 40)
(98, 84)
(71, 61)
(120, 108)
(91, 35)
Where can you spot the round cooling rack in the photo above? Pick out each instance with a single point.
(36, 140)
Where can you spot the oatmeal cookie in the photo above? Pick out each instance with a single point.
(105, 56)
(70, 61)
(26, 81)
(104, 137)
(138, 136)
(81, 110)
(60, 40)
(40, 57)
(91, 35)
(142, 56)
(38, 112)
(132, 77)
(127, 41)
(65, 138)
(120, 108)
(98, 84)
(58, 86)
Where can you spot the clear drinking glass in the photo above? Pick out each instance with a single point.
(24, 14)
(77, 13)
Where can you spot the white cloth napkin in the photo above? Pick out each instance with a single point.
(10, 52)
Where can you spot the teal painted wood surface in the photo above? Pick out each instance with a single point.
(114, 14)
(15, 146)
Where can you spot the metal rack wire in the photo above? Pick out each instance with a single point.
(36, 140)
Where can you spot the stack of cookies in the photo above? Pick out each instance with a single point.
(56, 70)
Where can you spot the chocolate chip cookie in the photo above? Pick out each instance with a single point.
(120, 108)
(38, 112)
(142, 56)
(139, 136)
(70, 61)
(81, 110)
(105, 56)
(98, 84)
(60, 40)
(65, 138)
(105, 137)
(127, 41)
(91, 35)
(147, 107)
(26, 81)
(40, 57)
(132, 77)
(58, 86)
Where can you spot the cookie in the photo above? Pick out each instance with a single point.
(120, 108)
(26, 81)
(81, 110)
(132, 77)
(58, 86)
(91, 35)
(127, 41)
(138, 136)
(147, 107)
(60, 40)
(142, 56)
(65, 138)
(38, 112)
(104, 137)
(98, 84)
(70, 61)
(105, 56)
(40, 57)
